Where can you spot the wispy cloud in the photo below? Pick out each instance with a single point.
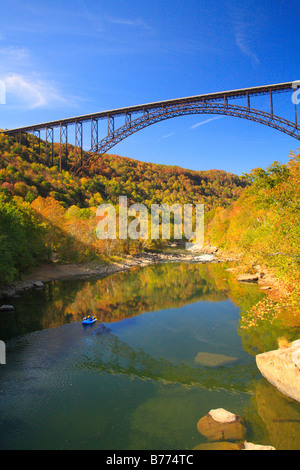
(11, 56)
(167, 136)
(202, 123)
(246, 30)
(137, 22)
(244, 42)
(31, 93)
(26, 87)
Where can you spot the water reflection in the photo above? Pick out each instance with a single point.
(280, 415)
(165, 352)
(129, 294)
(125, 295)
(114, 356)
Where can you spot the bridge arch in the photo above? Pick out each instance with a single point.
(151, 117)
(141, 116)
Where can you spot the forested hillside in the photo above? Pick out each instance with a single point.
(44, 211)
(25, 173)
(262, 228)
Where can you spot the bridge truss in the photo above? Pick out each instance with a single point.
(138, 117)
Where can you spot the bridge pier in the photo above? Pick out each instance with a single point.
(94, 132)
(78, 141)
(111, 126)
(63, 142)
(271, 103)
(36, 134)
(49, 140)
(127, 119)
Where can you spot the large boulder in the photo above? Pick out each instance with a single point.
(7, 308)
(248, 277)
(197, 248)
(282, 369)
(221, 425)
(251, 446)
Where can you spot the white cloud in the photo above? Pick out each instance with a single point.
(168, 135)
(244, 43)
(31, 93)
(247, 28)
(26, 88)
(128, 22)
(12, 56)
(205, 122)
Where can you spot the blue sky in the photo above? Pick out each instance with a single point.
(66, 58)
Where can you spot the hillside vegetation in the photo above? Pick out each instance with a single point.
(262, 228)
(44, 211)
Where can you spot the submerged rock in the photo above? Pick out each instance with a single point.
(232, 446)
(282, 369)
(213, 360)
(221, 425)
(220, 446)
(38, 283)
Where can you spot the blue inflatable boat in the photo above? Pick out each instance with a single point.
(89, 321)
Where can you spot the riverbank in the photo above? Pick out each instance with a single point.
(55, 271)
(52, 272)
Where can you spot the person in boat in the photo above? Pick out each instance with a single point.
(89, 317)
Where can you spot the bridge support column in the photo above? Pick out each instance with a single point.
(111, 126)
(63, 142)
(37, 134)
(271, 103)
(248, 101)
(94, 133)
(49, 140)
(78, 141)
(128, 119)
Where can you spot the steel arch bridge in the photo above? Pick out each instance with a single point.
(139, 117)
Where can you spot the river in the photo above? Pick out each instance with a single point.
(167, 348)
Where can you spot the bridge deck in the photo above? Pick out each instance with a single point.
(208, 97)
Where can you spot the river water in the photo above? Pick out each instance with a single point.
(167, 348)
